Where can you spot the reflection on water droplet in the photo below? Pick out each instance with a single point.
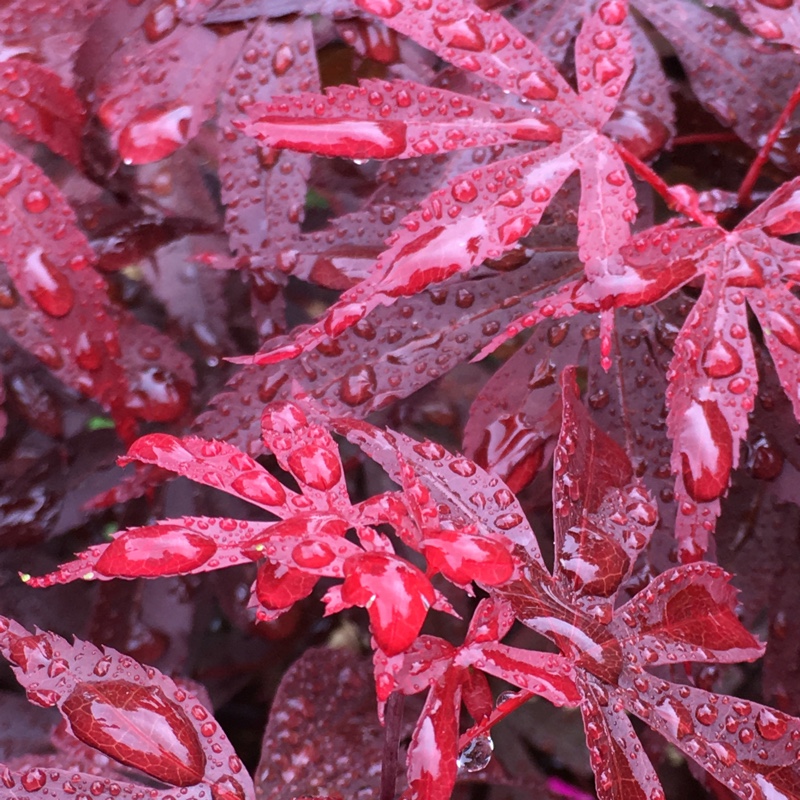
(476, 755)
(48, 287)
(154, 134)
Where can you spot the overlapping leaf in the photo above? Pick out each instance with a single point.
(132, 714)
(484, 213)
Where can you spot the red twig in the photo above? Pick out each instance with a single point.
(662, 188)
(763, 154)
(704, 138)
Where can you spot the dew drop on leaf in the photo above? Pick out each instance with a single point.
(358, 385)
(464, 191)
(165, 550)
(50, 290)
(613, 12)
(36, 201)
(334, 137)
(706, 451)
(779, 5)
(260, 488)
(33, 780)
(316, 467)
(476, 755)
(721, 359)
(772, 725)
(154, 134)
(313, 555)
(160, 22)
(536, 87)
(465, 34)
(786, 330)
(282, 60)
(381, 8)
(705, 714)
(139, 726)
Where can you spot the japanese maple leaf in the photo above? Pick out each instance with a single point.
(603, 519)
(453, 675)
(482, 213)
(713, 376)
(306, 544)
(132, 714)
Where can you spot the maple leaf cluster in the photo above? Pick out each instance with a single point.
(550, 246)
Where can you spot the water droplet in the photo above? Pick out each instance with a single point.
(33, 780)
(476, 755)
(463, 467)
(465, 34)
(260, 487)
(315, 467)
(335, 137)
(706, 714)
(151, 552)
(535, 86)
(340, 318)
(508, 521)
(154, 134)
(102, 667)
(36, 201)
(613, 12)
(721, 359)
(282, 60)
(779, 5)
(430, 450)
(157, 395)
(785, 330)
(706, 451)
(48, 287)
(358, 385)
(464, 298)
(160, 22)
(772, 725)
(605, 69)
(282, 418)
(382, 8)
(464, 191)
(604, 40)
(139, 726)
(313, 555)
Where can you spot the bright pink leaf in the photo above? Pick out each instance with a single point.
(395, 593)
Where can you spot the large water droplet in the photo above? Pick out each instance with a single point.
(316, 467)
(358, 385)
(721, 359)
(139, 726)
(476, 755)
(282, 60)
(706, 451)
(465, 34)
(160, 21)
(165, 550)
(347, 138)
(313, 555)
(154, 134)
(48, 287)
(157, 395)
(260, 487)
(535, 86)
(33, 780)
(785, 330)
(382, 8)
(772, 725)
